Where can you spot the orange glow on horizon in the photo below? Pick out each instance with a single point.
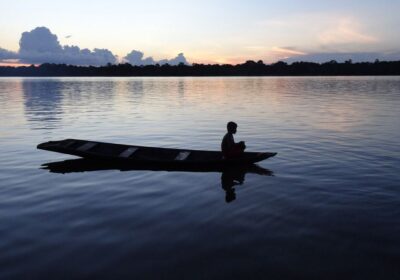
(14, 64)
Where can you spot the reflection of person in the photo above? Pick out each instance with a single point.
(229, 179)
(229, 148)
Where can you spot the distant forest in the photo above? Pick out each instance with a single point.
(250, 68)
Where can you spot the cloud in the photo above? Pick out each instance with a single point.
(285, 52)
(6, 55)
(327, 31)
(342, 57)
(40, 46)
(136, 58)
(41, 40)
(76, 56)
(345, 31)
(180, 58)
(267, 54)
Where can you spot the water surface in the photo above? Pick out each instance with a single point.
(330, 210)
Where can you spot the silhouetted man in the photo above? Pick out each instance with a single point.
(229, 148)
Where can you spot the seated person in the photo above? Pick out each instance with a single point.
(229, 148)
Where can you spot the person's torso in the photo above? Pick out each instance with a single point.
(227, 142)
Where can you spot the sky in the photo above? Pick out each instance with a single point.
(218, 31)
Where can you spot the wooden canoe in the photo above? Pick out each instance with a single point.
(128, 154)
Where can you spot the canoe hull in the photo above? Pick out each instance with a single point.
(127, 154)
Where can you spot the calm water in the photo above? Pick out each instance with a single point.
(331, 210)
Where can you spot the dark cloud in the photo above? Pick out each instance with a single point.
(5, 54)
(136, 58)
(39, 40)
(394, 56)
(180, 58)
(41, 46)
(342, 57)
(75, 55)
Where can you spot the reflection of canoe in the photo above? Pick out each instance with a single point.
(148, 155)
(87, 165)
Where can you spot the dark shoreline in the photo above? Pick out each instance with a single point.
(250, 68)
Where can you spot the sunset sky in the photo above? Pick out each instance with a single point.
(208, 31)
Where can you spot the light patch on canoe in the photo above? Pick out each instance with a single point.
(86, 146)
(182, 156)
(128, 152)
(69, 143)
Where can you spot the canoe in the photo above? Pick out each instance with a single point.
(130, 154)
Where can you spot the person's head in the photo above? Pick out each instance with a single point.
(231, 127)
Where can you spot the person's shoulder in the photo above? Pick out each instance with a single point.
(228, 137)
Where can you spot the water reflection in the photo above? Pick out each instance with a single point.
(136, 89)
(235, 176)
(48, 101)
(229, 180)
(230, 177)
(181, 89)
(42, 101)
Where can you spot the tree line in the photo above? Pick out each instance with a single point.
(249, 68)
